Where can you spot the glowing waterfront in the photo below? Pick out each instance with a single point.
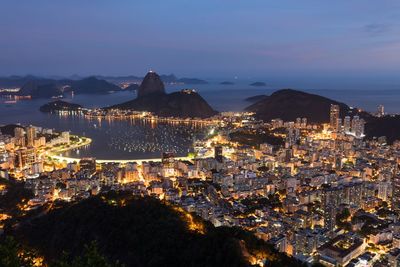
(139, 161)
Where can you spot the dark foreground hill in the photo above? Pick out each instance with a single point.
(288, 104)
(143, 232)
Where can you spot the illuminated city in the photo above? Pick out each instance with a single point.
(159, 170)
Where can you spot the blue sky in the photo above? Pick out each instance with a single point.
(207, 38)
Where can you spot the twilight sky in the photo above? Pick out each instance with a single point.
(204, 38)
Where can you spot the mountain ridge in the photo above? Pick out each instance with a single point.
(289, 104)
(141, 231)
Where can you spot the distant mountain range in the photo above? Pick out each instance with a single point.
(18, 81)
(38, 87)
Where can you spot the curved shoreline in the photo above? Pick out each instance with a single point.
(70, 160)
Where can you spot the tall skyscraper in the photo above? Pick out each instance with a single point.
(396, 192)
(357, 126)
(334, 117)
(381, 111)
(30, 135)
(347, 124)
(19, 134)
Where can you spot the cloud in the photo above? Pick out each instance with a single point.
(376, 28)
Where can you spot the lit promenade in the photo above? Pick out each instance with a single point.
(139, 161)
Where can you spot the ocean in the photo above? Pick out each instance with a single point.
(132, 139)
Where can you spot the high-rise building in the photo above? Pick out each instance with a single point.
(357, 126)
(19, 134)
(218, 154)
(25, 157)
(347, 124)
(334, 117)
(298, 123)
(30, 135)
(65, 137)
(381, 111)
(360, 128)
(304, 122)
(396, 192)
(384, 190)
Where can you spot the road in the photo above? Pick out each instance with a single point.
(139, 161)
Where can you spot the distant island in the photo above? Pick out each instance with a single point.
(191, 81)
(258, 84)
(227, 83)
(256, 98)
(153, 98)
(59, 105)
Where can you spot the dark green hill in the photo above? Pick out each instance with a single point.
(288, 104)
(92, 85)
(37, 89)
(142, 232)
(183, 104)
(59, 105)
(9, 129)
(153, 98)
(388, 126)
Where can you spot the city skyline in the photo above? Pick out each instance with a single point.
(276, 141)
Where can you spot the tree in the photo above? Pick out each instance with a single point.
(11, 254)
(90, 258)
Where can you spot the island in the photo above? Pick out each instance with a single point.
(227, 83)
(59, 105)
(191, 81)
(258, 84)
(256, 98)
